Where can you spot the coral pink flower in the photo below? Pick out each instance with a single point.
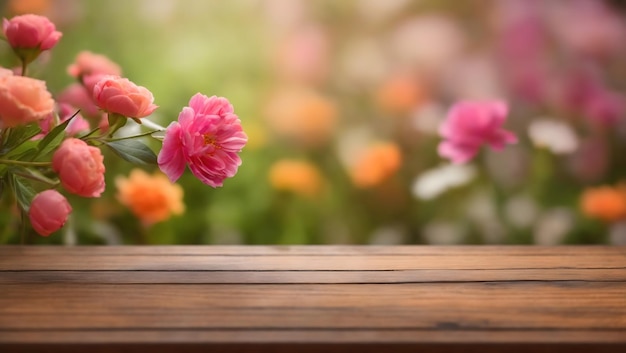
(469, 125)
(48, 212)
(207, 136)
(80, 168)
(88, 63)
(119, 95)
(23, 100)
(30, 32)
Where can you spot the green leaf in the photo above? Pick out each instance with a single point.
(17, 136)
(133, 151)
(24, 193)
(54, 138)
(21, 152)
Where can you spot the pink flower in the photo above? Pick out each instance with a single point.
(48, 212)
(23, 100)
(120, 96)
(469, 125)
(88, 63)
(207, 136)
(77, 96)
(605, 107)
(30, 32)
(66, 111)
(80, 168)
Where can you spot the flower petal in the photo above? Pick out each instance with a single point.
(171, 159)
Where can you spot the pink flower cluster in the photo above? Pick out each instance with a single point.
(471, 124)
(207, 136)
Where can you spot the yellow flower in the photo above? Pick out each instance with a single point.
(379, 162)
(400, 95)
(152, 198)
(299, 177)
(302, 115)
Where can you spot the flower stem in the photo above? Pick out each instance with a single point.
(152, 125)
(132, 137)
(24, 66)
(25, 163)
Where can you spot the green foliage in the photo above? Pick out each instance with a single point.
(133, 151)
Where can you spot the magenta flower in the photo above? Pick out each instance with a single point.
(469, 125)
(207, 136)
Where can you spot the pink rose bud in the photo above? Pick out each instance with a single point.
(80, 168)
(23, 100)
(88, 63)
(48, 212)
(469, 125)
(120, 96)
(30, 34)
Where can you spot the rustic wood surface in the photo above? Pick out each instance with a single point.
(312, 298)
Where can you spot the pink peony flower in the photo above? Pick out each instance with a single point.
(23, 100)
(4, 72)
(76, 126)
(207, 136)
(88, 63)
(120, 96)
(77, 96)
(469, 125)
(30, 32)
(89, 82)
(80, 168)
(48, 212)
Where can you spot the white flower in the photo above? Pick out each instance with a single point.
(427, 118)
(521, 211)
(434, 182)
(556, 136)
(552, 226)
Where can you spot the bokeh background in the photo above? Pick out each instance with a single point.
(342, 100)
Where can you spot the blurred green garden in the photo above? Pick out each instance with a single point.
(341, 102)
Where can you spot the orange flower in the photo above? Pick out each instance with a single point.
(605, 203)
(379, 162)
(400, 95)
(20, 7)
(300, 177)
(152, 198)
(303, 115)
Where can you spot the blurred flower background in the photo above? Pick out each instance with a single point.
(342, 102)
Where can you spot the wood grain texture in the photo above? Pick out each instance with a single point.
(313, 298)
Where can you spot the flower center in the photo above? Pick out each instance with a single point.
(210, 140)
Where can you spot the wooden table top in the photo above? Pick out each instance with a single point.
(313, 298)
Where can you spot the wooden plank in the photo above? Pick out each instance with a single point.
(312, 277)
(306, 262)
(564, 305)
(335, 299)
